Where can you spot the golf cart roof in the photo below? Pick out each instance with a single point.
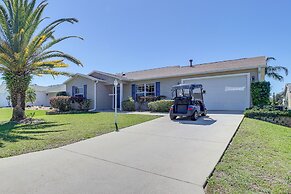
(187, 86)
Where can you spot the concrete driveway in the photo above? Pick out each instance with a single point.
(159, 156)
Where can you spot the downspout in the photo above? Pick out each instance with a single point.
(95, 97)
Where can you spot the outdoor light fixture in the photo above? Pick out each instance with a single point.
(115, 105)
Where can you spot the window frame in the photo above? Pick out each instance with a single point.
(145, 93)
(79, 94)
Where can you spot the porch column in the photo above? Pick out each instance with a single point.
(95, 97)
(261, 73)
(121, 96)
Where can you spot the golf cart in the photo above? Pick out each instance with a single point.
(188, 101)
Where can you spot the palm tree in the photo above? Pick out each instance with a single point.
(30, 95)
(274, 71)
(26, 50)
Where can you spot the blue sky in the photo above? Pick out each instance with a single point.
(132, 35)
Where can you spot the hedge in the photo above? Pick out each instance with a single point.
(255, 113)
(160, 106)
(260, 92)
(62, 103)
(83, 103)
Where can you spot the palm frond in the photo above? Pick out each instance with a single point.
(24, 47)
(274, 71)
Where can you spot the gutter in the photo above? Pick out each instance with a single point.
(200, 73)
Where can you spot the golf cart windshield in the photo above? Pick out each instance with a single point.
(181, 93)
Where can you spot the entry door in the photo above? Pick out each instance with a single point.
(118, 97)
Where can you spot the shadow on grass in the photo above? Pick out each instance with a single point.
(71, 113)
(13, 132)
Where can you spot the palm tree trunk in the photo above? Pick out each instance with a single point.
(17, 86)
(18, 110)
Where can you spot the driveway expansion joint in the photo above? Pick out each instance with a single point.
(131, 167)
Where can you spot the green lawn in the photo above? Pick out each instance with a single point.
(57, 130)
(258, 161)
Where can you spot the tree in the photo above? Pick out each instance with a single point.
(26, 50)
(30, 95)
(274, 71)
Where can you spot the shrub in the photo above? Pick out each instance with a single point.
(62, 103)
(260, 92)
(128, 105)
(266, 112)
(83, 103)
(62, 94)
(161, 105)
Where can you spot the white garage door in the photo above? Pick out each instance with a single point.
(230, 92)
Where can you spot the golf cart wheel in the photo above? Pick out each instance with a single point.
(195, 116)
(204, 114)
(173, 117)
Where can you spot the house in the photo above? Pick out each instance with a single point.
(227, 83)
(43, 94)
(287, 96)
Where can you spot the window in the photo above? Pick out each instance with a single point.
(150, 90)
(79, 91)
(145, 90)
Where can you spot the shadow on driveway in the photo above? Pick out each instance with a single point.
(224, 112)
(201, 121)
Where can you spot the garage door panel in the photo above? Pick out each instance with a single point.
(224, 93)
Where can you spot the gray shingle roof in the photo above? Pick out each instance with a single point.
(215, 67)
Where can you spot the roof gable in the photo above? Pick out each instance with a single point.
(81, 75)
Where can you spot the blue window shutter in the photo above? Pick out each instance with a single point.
(133, 91)
(85, 91)
(73, 91)
(158, 88)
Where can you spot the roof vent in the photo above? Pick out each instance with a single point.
(191, 62)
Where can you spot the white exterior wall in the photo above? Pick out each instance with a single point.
(3, 101)
(42, 98)
(104, 101)
(168, 83)
(80, 82)
(288, 98)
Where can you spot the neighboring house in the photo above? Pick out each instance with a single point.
(43, 94)
(227, 83)
(287, 94)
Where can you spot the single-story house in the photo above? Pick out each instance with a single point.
(43, 94)
(227, 83)
(287, 96)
